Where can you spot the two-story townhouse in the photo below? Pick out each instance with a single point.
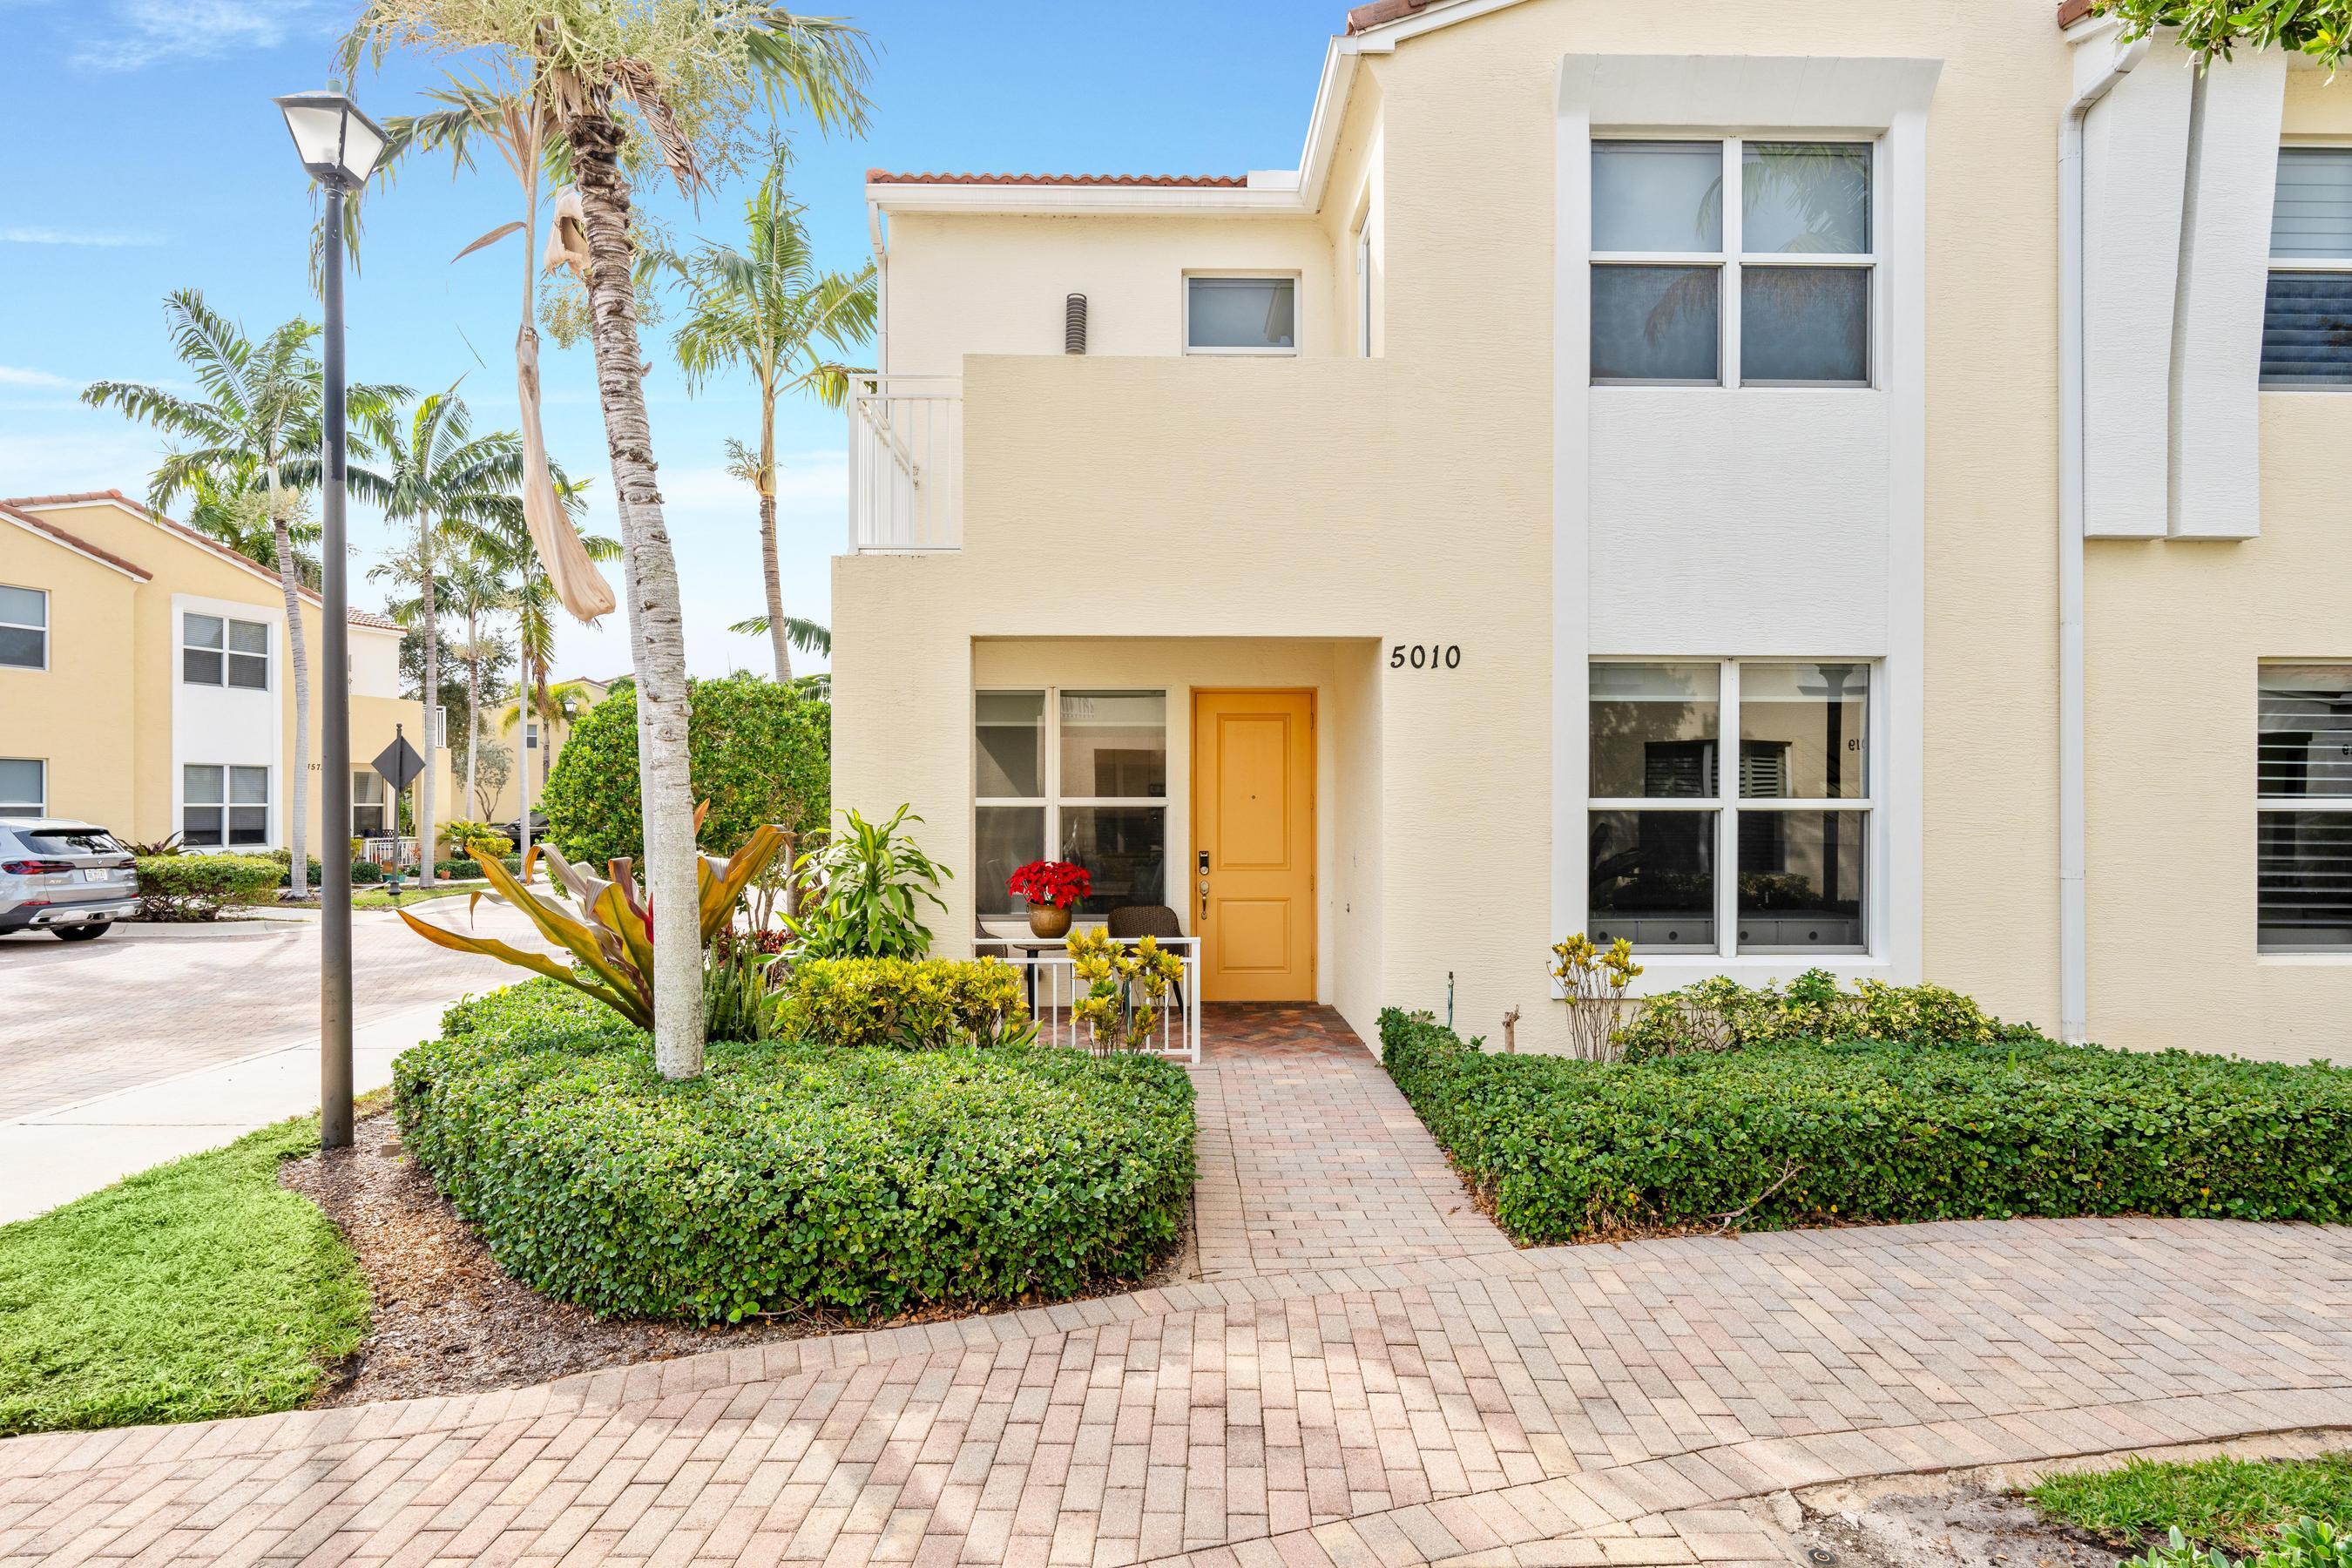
(145, 683)
(1790, 483)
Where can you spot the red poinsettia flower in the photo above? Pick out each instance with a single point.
(1055, 882)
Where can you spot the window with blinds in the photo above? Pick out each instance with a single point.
(2307, 317)
(2303, 773)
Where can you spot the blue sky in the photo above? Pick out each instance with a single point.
(159, 164)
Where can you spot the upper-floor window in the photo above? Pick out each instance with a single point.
(24, 787)
(1240, 315)
(2303, 783)
(23, 628)
(2307, 317)
(1773, 289)
(217, 651)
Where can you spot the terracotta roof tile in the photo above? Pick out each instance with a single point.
(15, 505)
(2073, 11)
(1368, 17)
(1204, 181)
(76, 541)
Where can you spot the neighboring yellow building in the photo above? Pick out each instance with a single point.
(1790, 482)
(525, 740)
(145, 683)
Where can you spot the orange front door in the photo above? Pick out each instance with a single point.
(1254, 844)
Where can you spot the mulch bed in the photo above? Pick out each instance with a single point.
(445, 1319)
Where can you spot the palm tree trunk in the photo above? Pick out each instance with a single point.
(472, 701)
(427, 862)
(781, 643)
(657, 621)
(522, 759)
(297, 835)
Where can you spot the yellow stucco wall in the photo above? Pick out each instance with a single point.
(76, 716)
(1410, 499)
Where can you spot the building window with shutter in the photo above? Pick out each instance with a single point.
(2307, 316)
(2303, 771)
(1771, 857)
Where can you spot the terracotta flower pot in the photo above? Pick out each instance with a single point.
(1046, 921)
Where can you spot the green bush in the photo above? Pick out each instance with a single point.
(919, 1003)
(759, 752)
(1721, 1015)
(366, 871)
(792, 1175)
(198, 886)
(1810, 1132)
(471, 870)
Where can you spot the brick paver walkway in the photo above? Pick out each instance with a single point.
(1476, 1406)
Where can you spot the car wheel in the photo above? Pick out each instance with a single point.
(80, 933)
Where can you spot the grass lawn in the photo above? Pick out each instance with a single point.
(197, 1289)
(382, 899)
(2236, 1504)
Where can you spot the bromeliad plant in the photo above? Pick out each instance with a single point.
(1057, 883)
(1114, 976)
(608, 926)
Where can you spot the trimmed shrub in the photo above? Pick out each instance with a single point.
(792, 1175)
(471, 870)
(198, 886)
(759, 752)
(1809, 1133)
(918, 1003)
(1720, 1014)
(366, 871)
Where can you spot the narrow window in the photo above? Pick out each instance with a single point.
(1009, 792)
(1364, 287)
(2308, 314)
(1240, 315)
(23, 628)
(2302, 782)
(24, 787)
(370, 809)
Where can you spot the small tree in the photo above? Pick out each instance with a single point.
(759, 752)
(491, 765)
(2319, 28)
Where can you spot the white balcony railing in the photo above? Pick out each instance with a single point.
(906, 462)
(1050, 986)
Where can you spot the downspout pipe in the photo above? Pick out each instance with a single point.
(881, 286)
(2074, 916)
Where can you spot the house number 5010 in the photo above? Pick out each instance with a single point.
(1425, 656)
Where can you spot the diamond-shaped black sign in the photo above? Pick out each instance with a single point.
(399, 763)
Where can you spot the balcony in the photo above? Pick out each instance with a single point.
(905, 463)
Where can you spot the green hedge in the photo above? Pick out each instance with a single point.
(198, 886)
(789, 1175)
(898, 1001)
(471, 870)
(1873, 1130)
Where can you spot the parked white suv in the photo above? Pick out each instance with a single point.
(67, 878)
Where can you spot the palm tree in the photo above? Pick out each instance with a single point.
(232, 508)
(766, 309)
(690, 72)
(434, 474)
(255, 420)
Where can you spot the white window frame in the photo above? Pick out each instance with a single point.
(1364, 282)
(1727, 802)
(41, 805)
(1217, 274)
(1053, 800)
(1732, 260)
(2307, 263)
(267, 805)
(2266, 804)
(21, 627)
(366, 781)
(267, 656)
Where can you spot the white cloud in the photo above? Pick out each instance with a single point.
(15, 375)
(151, 30)
(43, 233)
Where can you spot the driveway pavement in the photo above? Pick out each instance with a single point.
(148, 1043)
(1474, 1405)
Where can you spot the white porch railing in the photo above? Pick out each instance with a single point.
(906, 462)
(1050, 982)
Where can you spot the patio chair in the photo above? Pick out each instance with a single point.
(1132, 921)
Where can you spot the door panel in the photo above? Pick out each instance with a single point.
(1254, 817)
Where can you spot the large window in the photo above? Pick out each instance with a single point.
(1240, 315)
(1768, 856)
(215, 651)
(2307, 318)
(23, 628)
(370, 805)
(24, 787)
(224, 807)
(2303, 773)
(1772, 289)
(1084, 771)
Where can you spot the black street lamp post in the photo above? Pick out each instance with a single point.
(339, 145)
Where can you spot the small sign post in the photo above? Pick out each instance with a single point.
(400, 766)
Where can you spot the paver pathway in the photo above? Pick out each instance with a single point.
(1571, 1404)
